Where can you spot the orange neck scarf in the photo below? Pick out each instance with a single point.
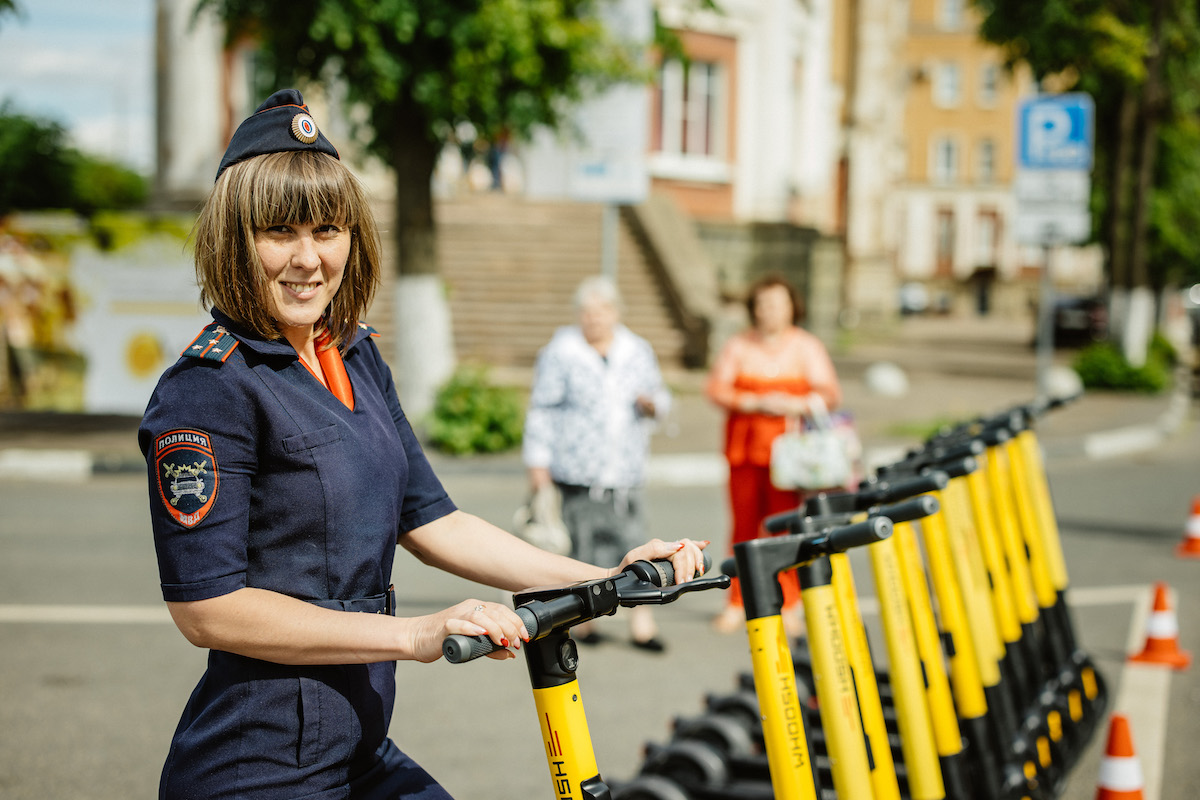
(332, 365)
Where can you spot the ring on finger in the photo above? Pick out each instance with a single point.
(478, 608)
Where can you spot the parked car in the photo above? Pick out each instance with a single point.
(1080, 321)
(913, 298)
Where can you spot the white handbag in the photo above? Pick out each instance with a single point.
(540, 522)
(813, 457)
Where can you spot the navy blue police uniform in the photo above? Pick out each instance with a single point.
(260, 477)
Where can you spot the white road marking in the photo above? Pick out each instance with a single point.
(1143, 698)
(53, 465)
(87, 615)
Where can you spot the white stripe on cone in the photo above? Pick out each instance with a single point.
(1193, 527)
(1162, 625)
(1121, 774)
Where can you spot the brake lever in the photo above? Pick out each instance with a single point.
(646, 593)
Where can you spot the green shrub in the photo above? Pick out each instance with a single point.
(1161, 348)
(1103, 366)
(470, 415)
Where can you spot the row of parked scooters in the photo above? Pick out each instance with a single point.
(980, 688)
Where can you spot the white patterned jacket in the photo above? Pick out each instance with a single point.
(582, 422)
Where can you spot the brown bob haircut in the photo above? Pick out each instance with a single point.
(286, 188)
(770, 281)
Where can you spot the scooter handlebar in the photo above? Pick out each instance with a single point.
(542, 616)
(910, 487)
(859, 534)
(661, 573)
(912, 509)
(458, 648)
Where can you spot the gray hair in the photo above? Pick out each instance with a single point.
(597, 287)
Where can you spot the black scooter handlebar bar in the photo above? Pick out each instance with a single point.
(859, 534)
(636, 584)
(912, 509)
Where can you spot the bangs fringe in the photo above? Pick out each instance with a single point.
(298, 187)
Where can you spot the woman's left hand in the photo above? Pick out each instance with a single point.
(684, 554)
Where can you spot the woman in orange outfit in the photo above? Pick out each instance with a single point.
(761, 377)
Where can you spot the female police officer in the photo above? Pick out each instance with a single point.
(283, 473)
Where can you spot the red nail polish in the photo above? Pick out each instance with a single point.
(680, 547)
(504, 642)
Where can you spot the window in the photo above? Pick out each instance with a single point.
(985, 161)
(986, 235)
(950, 14)
(945, 242)
(989, 85)
(947, 85)
(690, 109)
(944, 166)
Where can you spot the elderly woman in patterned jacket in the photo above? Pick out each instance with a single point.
(283, 473)
(597, 393)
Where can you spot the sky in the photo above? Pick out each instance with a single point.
(88, 65)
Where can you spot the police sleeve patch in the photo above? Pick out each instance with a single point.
(187, 474)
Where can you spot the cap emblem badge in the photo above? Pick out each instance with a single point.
(304, 128)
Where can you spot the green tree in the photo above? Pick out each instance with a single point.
(1140, 61)
(416, 68)
(9, 7)
(35, 163)
(98, 184)
(38, 170)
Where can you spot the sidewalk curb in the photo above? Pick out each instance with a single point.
(1132, 438)
(673, 469)
(62, 465)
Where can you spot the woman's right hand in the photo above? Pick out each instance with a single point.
(468, 618)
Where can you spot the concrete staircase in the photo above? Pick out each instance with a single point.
(511, 267)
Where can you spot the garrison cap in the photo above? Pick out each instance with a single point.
(280, 124)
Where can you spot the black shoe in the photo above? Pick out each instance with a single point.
(653, 644)
(591, 637)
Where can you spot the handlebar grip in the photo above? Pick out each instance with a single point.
(458, 648)
(959, 467)
(860, 534)
(662, 573)
(971, 447)
(912, 509)
(995, 436)
(780, 523)
(910, 487)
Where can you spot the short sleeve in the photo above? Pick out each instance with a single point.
(198, 440)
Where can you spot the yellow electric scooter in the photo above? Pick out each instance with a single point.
(553, 657)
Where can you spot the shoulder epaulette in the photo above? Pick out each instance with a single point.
(213, 344)
(370, 331)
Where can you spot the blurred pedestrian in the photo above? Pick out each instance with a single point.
(597, 392)
(283, 473)
(762, 377)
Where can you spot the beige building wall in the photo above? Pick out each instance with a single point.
(950, 217)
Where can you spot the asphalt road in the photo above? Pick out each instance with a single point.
(93, 674)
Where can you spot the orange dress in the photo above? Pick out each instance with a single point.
(796, 363)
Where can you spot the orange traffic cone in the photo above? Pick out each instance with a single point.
(1120, 770)
(1190, 546)
(1162, 635)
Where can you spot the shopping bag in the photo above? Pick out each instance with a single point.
(539, 521)
(813, 456)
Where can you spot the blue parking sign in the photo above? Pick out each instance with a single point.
(1056, 131)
